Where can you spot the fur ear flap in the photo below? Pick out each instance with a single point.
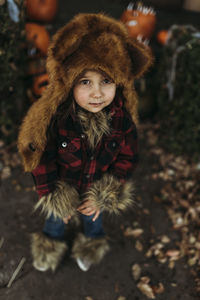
(65, 43)
(68, 39)
(141, 57)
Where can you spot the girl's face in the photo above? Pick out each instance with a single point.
(94, 91)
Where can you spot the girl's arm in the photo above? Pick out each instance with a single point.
(114, 191)
(55, 197)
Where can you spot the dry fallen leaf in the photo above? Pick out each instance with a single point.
(162, 258)
(138, 246)
(171, 264)
(197, 245)
(133, 232)
(18, 187)
(193, 260)
(165, 239)
(174, 284)
(173, 254)
(192, 239)
(136, 271)
(6, 172)
(158, 289)
(155, 250)
(145, 288)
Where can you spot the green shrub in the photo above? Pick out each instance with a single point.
(179, 96)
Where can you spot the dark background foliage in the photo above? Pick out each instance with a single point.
(12, 75)
(179, 112)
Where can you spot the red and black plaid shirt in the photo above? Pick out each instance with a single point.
(68, 156)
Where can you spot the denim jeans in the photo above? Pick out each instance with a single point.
(55, 228)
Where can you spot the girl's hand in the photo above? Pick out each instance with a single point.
(66, 219)
(88, 208)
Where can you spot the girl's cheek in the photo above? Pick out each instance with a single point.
(111, 93)
(110, 89)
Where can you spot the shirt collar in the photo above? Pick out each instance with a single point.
(116, 105)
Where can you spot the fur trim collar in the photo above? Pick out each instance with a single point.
(94, 125)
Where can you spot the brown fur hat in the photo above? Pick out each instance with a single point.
(88, 41)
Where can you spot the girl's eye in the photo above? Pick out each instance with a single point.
(107, 81)
(84, 82)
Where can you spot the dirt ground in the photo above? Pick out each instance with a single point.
(136, 238)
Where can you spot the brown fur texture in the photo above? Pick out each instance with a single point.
(90, 249)
(110, 195)
(94, 125)
(88, 41)
(47, 253)
(62, 202)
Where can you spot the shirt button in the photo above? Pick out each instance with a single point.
(92, 157)
(32, 147)
(64, 144)
(82, 136)
(114, 144)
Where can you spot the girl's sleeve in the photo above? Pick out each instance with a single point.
(45, 174)
(56, 197)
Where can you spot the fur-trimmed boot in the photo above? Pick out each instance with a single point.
(46, 252)
(88, 251)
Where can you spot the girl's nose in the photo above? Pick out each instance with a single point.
(97, 91)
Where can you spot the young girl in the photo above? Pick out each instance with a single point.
(79, 139)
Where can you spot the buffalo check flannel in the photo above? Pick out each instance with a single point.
(68, 157)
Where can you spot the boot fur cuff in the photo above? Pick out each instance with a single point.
(110, 194)
(47, 253)
(90, 249)
(62, 202)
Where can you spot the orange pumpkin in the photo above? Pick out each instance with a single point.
(162, 36)
(41, 10)
(38, 38)
(40, 83)
(127, 14)
(140, 21)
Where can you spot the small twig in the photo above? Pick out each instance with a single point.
(16, 272)
(1, 242)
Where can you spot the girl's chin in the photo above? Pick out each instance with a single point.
(94, 110)
(93, 107)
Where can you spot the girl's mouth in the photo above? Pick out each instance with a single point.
(96, 104)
